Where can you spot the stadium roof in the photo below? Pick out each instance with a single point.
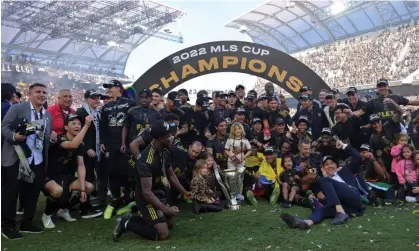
(85, 33)
(292, 26)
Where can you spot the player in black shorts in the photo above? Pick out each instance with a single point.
(155, 177)
(66, 158)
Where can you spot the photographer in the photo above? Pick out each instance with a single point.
(36, 143)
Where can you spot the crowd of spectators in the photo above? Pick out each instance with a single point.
(391, 53)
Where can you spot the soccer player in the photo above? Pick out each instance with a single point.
(154, 179)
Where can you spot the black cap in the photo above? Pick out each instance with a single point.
(382, 81)
(113, 83)
(231, 93)
(173, 96)
(342, 106)
(374, 117)
(302, 119)
(365, 147)
(262, 97)
(269, 150)
(71, 117)
(158, 91)
(327, 131)
(161, 128)
(256, 120)
(335, 90)
(202, 101)
(352, 89)
(104, 97)
(239, 87)
(252, 92)
(305, 88)
(326, 158)
(146, 91)
(203, 94)
(306, 97)
(250, 97)
(280, 121)
(183, 92)
(220, 94)
(330, 95)
(92, 94)
(240, 110)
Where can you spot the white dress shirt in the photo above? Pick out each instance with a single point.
(37, 154)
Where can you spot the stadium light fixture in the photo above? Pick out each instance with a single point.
(243, 28)
(337, 7)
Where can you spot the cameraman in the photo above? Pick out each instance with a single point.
(36, 148)
(113, 118)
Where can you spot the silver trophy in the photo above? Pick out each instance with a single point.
(232, 184)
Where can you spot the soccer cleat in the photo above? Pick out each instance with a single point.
(65, 214)
(92, 213)
(275, 196)
(251, 198)
(120, 226)
(19, 212)
(126, 209)
(287, 204)
(47, 221)
(11, 234)
(295, 222)
(108, 212)
(31, 229)
(411, 199)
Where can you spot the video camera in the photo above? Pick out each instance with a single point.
(26, 128)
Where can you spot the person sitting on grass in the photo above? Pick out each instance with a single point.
(340, 188)
(403, 167)
(202, 191)
(252, 163)
(267, 178)
(413, 192)
(291, 181)
(62, 185)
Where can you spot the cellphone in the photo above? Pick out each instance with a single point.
(336, 137)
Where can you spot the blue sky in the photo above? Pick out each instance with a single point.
(204, 22)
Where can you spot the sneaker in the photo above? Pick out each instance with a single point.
(120, 226)
(411, 199)
(47, 221)
(340, 218)
(275, 196)
(287, 204)
(295, 222)
(251, 198)
(92, 213)
(31, 229)
(126, 209)
(65, 214)
(11, 234)
(196, 207)
(19, 211)
(108, 212)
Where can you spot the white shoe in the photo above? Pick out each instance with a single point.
(411, 199)
(65, 214)
(47, 221)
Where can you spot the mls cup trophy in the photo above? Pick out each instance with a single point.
(231, 184)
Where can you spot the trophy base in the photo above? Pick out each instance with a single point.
(234, 207)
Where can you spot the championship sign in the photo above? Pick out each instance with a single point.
(231, 56)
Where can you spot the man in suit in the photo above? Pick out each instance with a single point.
(37, 155)
(341, 190)
(91, 150)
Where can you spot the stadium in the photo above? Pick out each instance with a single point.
(358, 58)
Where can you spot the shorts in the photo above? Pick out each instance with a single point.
(149, 213)
(63, 180)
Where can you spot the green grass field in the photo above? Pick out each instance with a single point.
(384, 228)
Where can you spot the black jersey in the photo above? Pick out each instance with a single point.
(63, 161)
(384, 110)
(140, 118)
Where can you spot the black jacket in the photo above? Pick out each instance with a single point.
(89, 139)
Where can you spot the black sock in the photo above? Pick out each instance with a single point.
(85, 206)
(138, 227)
(51, 207)
(304, 202)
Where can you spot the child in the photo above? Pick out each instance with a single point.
(209, 159)
(402, 166)
(413, 191)
(289, 179)
(201, 192)
(237, 147)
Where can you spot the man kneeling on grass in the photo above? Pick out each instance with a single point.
(340, 187)
(154, 176)
(64, 157)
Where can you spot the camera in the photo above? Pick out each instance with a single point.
(26, 128)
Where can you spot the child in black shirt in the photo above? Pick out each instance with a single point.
(290, 180)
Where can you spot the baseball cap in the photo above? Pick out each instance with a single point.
(202, 101)
(240, 110)
(256, 120)
(252, 92)
(158, 91)
(104, 97)
(326, 158)
(374, 117)
(262, 97)
(113, 83)
(220, 94)
(161, 128)
(92, 94)
(382, 81)
(203, 93)
(305, 97)
(342, 106)
(327, 131)
(352, 89)
(172, 96)
(231, 93)
(71, 117)
(146, 91)
(305, 88)
(330, 95)
(269, 150)
(279, 121)
(365, 147)
(335, 90)
(250, 97)
(239, 87)
(183, 92)
(302, 118)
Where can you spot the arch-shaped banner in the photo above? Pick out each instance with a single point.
(231, 56)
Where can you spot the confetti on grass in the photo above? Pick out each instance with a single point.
(359, 226)
(250, 239)
(268, 247)
(157, 247)
(308, 231)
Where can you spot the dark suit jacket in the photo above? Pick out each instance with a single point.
(14, 116)
(348, 172)
(89, 140)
